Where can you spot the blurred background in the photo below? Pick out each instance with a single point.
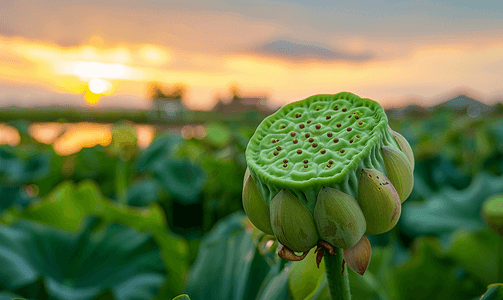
(123, 127)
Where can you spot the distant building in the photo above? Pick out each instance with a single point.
(240, 105)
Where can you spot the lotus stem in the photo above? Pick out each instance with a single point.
(338, 280)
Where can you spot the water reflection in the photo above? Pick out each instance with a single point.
(69, 138)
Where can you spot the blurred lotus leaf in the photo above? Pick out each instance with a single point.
(182, 179)
(450, 209)
(229, 266)
(95, 163)
(182, 297)
(81, 266)
(145, 192)
(494, 292)
(429, 275)
(9, 296)
(479, 254)
(160, 148)
(68, 205)
(218, 134)
(18, 167)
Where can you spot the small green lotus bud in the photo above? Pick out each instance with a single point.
(399, 171)
(292, 223)
(492, 212)
(405, 147)
(379, 201)
(339, 219)
(255, 207)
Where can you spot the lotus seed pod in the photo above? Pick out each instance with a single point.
(255, 207)
(405, 147)
(379, 201)
(321, 141)
(492, 212)
(292, 223)
(399, 171)
(339, 219)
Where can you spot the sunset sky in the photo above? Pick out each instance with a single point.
(395, 52)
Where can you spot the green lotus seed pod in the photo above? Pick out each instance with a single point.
(379, 201)
(339, 218)
(292, 223)
(321, 141)
(405, 147)
(492, 211)
(255, 207)
(399, 171)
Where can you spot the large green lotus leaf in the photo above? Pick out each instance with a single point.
(450, 209)
(9, 296)
(145, 192)
(494, 292)
(81, 266)
(479, 254)
(69, 204)
(17, 168)
(275, 285)
(228, 265)
(162, 146)
(430, 275)
(182, 179)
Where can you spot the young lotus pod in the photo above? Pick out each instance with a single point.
(255, 207)
(339, 219)
(404, 146)
(379, 201)
(399, 171)
(492, 212)
(322, 141)
(292, 223)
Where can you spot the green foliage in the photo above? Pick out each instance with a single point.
(43, 263)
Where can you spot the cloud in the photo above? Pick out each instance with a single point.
(298, 51)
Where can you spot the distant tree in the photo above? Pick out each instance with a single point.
(157, 91)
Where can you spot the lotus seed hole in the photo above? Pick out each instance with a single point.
(336, 107)
(349, 128)
(358, 136)
(295, 141)
(307, 135)
(330, 161)
(306, 161)
(285, 165)
(283, 126)
(285, 161)
(336, 140)
(273, 141)
(301, 126)
(377, 177)
(298, 115)
(299, 151)
(329, 134)
(292, 134)
(318, 126)
(323, 151)
(328, 117)
(339, 125)
(342, 150)
(278, 148)
(275, 153)
(360, 123)
(344, 109)
(311, 140)
(309, 121)
(315, 145)
(349, 117)
(351, 141)
(370, 176)
(328, 166)
(305, 166)
(318, 109)
(356, 117)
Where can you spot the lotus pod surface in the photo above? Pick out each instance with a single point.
(322, 141)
